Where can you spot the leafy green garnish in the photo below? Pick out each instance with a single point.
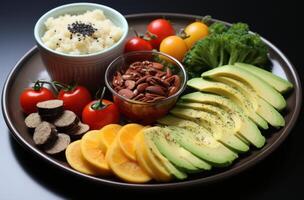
(225, 45)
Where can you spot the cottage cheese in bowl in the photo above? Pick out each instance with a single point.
(81, 34)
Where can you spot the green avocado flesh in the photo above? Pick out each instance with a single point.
(165, 162)
(231, 93)
(278, 83)
(262, 88)
(222, 127)
(262, 107)
(209, 128)
(179, 156)
(206, 147)
(252, 135)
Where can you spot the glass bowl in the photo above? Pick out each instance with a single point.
(138, 111)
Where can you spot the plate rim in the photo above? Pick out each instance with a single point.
(213, 178)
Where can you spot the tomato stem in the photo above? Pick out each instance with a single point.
(182, 34)
(99, 104)
(63, 86)
(149, 36)
(144, 37)
(37, 86)
(135, 32)
(206, 20)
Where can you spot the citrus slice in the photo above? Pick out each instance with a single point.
(125, 168)
(92, 151)
(108, 134)
(126, 136)
(76, 160)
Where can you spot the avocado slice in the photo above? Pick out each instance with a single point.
(171, 120)
(214, 125)
(231, 93)
(178, 174)
(262, 88)
(253, 135)
(231, 119)
(140, 157)
(196, 129)
(228, 119)
(195, 161)
(204, 146)
(262, 107)
(278, 83)
(158, 169)
(221, 113)
(179, 156)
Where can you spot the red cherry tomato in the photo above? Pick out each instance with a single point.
(31, 96)
(75, 98)
(97, 114)
(158, 30)
(137, 44)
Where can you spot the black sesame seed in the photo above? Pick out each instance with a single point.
(80, 28)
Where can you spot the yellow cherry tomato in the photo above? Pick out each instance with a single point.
(195, 31)
(174, 46)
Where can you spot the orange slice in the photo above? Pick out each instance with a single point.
(77, 161)
(126, 169)
(92, 151)
(108, 134)
(126, 136)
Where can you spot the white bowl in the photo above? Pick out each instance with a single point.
(88, 69)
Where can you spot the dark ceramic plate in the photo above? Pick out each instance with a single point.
(30, 68)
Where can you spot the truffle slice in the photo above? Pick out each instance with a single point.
(45, 133)
(60, 144)
(32, 120)
(50, 109)
(67, 121)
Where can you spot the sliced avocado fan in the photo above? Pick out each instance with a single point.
(278, 83)
(262, 88)
(231, 93)
(253, 134)
(262, 107)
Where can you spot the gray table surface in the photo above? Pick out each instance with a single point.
(23, 176)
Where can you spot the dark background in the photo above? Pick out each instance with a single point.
(280, 176)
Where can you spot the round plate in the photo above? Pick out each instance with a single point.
(31, 68)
